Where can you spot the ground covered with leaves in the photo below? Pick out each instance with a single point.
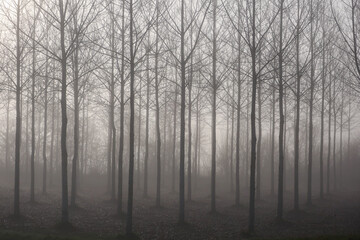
(335, 217)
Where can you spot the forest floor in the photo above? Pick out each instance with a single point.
(335, 217)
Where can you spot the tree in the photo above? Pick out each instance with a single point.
(213, 133)
(183, 60)
(67, 46)
(311, 104)
(158, 135)
(18, 114)
(281, 114)
(122, 106)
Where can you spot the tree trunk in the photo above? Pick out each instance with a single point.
(32, 157)
(18, 115)
(322, 115)
(231, 141)
(272, 174)
(45, 126)
(312, 85)
(258, 159)
(297, 121)
(64, 154)
(182, 120)
(112, 110)
(329, 138)
(122, 106)
(237, 148)
(76, 122)
(189, 127)
(158, 135)
(7, 131)
(174, 135)
(334, 140)
(139, 137)
(146, 159)
(132, 132)
(253, 124)
(196, 150)
(349, 133)
(213, 127)
(281, 126)
(52, 135)
(341, 137)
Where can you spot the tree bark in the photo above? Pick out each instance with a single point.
(213, 127)
(297, 120)
(45, 127)
(253, 123)
(182, 119)
(281, 126)
(64, 120)
(312, 85)
(122, 106)
(18, 115)
(146, 159)
(158, 135)
(132, 132)
(329, 138)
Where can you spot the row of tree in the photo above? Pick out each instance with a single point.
(211, 58)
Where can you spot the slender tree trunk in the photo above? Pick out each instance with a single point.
(231, 141)
(18, 115)
(281, 126)
(196, 150)
(26, 139)
(182, 119)
(228, 116)
(32, 157)
(164, 149)
(272, 175)
(349, 133)
(285, 131)
(253, 123)
(139, 138)
(258, 159)
(7, 131)
(312, 85)
(322, 116)
(213, 127)
(109, 145)
(341, 137)
(329, 138)
(297, 121)
(199, 146)
(132, 132)
(82, 158)
(189, 126)
(158, 135)
(237, 148)
(64, 120)
(146, 159)
(122, 106)
(57, 143)
(247, 165)
(112, 113)
(334, 139)
(52, 135)
(45, 126)
(74, 177)
(38, 142)
(174, 135)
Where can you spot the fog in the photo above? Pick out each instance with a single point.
(189, 119)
